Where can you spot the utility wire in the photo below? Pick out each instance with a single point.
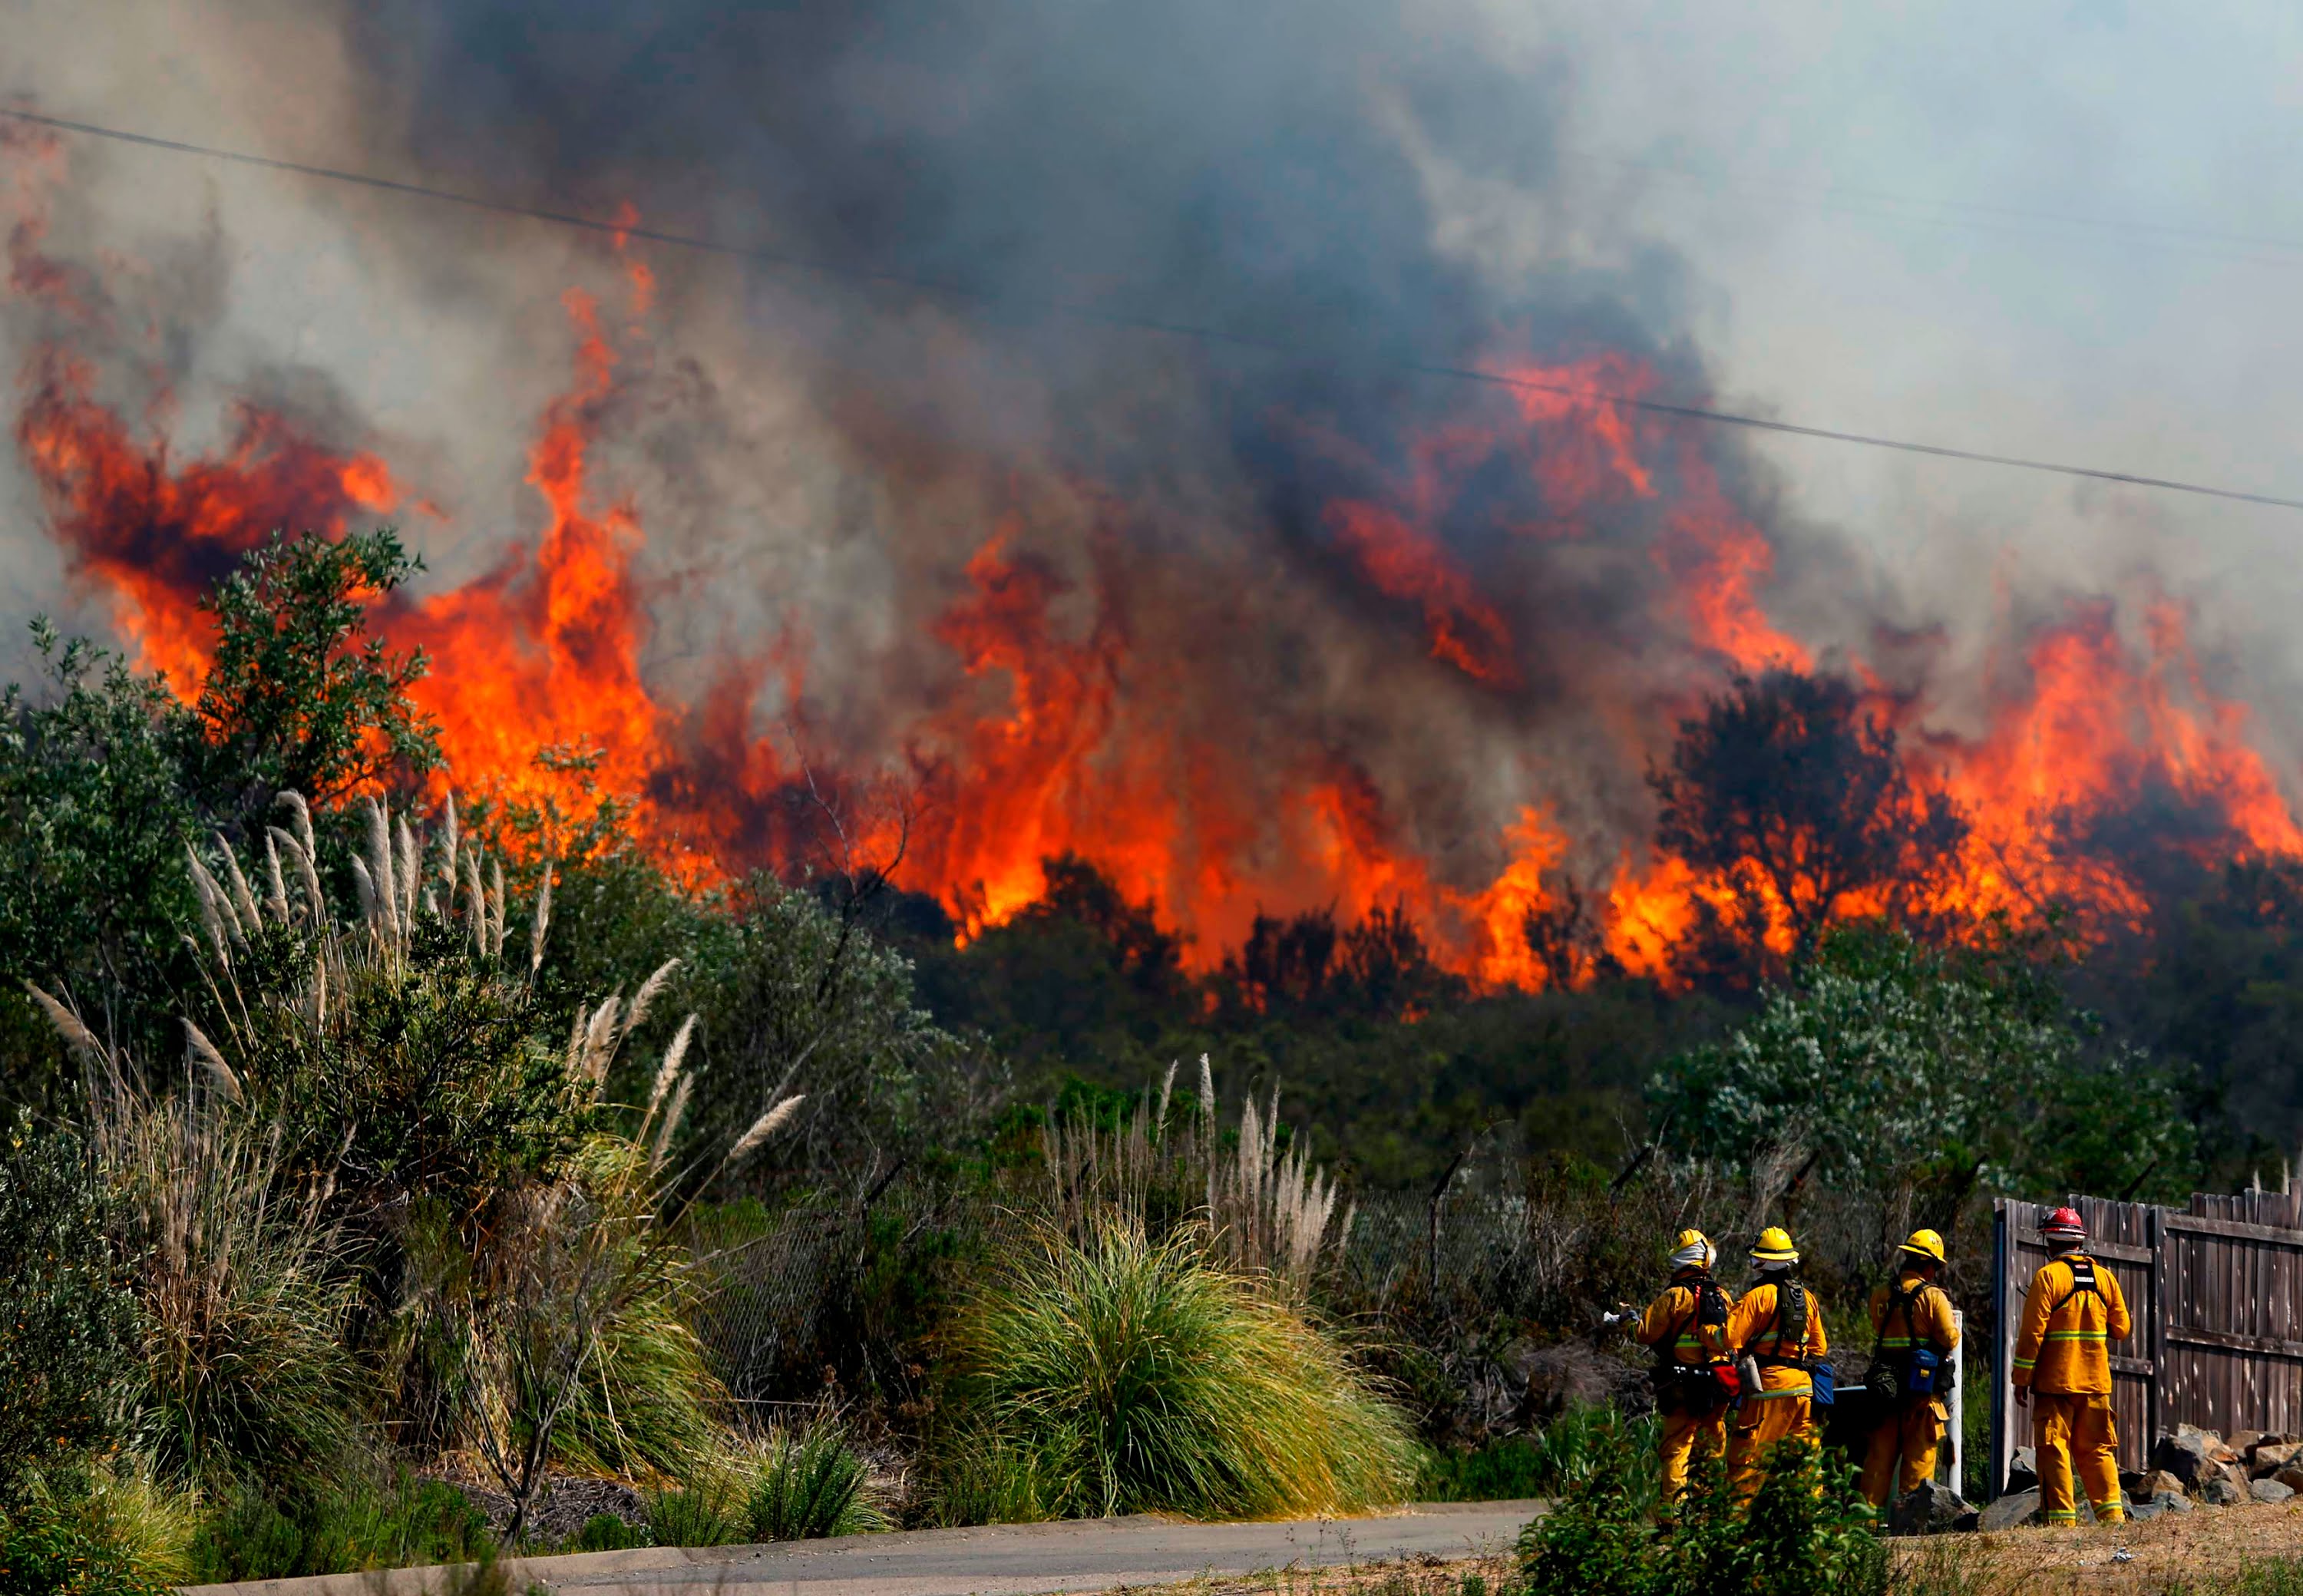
(1131, 322)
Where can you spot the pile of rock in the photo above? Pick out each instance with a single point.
(2191, 1467)
(2257, 1465)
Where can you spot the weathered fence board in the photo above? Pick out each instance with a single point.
(2217, 1298)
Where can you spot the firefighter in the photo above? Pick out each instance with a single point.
(1687, 1326)
(1912, 1319)
(2062, 1372)
(1777, 1327)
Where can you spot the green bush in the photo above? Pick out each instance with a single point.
(67, 1328)
(50, 1550)
(605, 1531)
(241, 1295)
(1540, 1465)
(709, 1510)
(1806, 1532)
(1118, 1375)
(362, 1525)
(812, 1487)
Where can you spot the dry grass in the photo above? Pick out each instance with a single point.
(1265, 1210)
(2200, 1553)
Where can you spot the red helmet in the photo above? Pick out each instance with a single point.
(2064, 1225)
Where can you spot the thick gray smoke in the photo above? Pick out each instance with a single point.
(1334, 190)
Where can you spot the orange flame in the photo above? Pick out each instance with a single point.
(1056, 738)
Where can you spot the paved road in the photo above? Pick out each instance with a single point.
(1004, 1560)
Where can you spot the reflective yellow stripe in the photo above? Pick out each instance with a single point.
(1789, 1390)
(2077, 1335)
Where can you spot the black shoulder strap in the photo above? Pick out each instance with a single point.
(2083, 1278)
(1905, 1300)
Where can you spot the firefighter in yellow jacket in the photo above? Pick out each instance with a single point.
(2062, 1372)
(1912, 1319)
(1778, 1324)
(1687, 1326)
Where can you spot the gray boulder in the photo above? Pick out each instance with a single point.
(2023, 1470)
(1551, 1379)
(2220, 1492)
(2018, 1507)
(1930, 1509)
(2173, 1501)
(2269, 1491)
(2188, 1455)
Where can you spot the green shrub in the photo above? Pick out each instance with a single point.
(363, 1523)
(1806, 1532)
(811, 1487)
(1127, 1376)
(67, 1327)
(1597, 1540)
(46, 1549)
(709, 1510)
(605, 1531)
(1001, 1482)
(259, 1536)
(241, 1295)
(1540, 1465)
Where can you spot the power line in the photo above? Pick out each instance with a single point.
(1131, 322)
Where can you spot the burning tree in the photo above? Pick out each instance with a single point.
(1800, 805)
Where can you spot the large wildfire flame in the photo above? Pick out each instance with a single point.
(1035, 753)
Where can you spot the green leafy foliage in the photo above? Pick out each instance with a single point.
(811, 1485)
(1514, 1466)
(1806, 1532)
(67, 1325)
(51, 1550)
(419, 1076)
(807, 999)
(242, 1298)
(1903, 1068)
(299, 696)
(709, 1510)
(363, 1523)
(95, 815)
(1125, 1376)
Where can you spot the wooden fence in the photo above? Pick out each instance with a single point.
(2217, 1294)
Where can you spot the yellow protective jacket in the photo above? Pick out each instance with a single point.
(2067, 1349)
(1672, 1318)
(1929, 1323)
(1754, 1326)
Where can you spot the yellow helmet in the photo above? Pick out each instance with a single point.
(1925, 1244)
(1775, 1247)
(1693, 1249)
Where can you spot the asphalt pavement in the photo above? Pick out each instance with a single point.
(1038, 1560)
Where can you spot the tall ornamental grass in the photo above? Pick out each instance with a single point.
(1113, 1374)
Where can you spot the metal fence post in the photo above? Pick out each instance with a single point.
(2002, 1451)
(1959, 1408)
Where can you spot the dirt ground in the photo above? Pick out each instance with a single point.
(2196, 1553)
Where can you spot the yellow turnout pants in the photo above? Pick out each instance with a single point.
(1765, 1418)
(2067, 1429)
(1682, 1433)
(1911, 1432)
